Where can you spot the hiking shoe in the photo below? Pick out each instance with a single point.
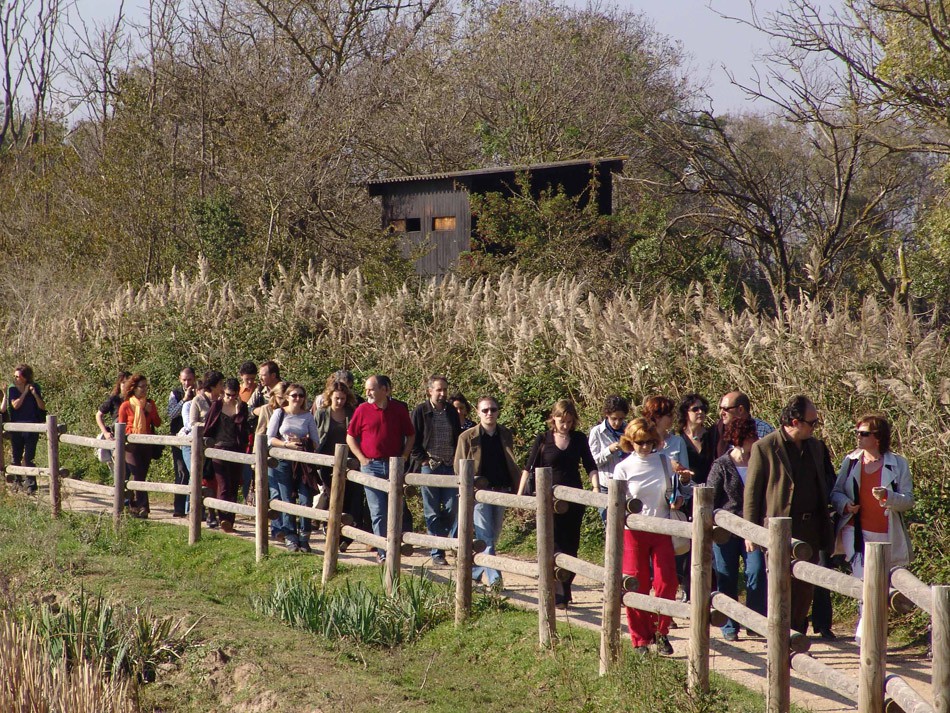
(227, 526)
(641, 650)
(344, 546)
(304, 547)
(380, 558)
(439, 560)
(730, 635)
(663, 646)
(291, 546)
(497, 586)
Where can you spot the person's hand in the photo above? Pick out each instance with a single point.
(880, 493)
(364, 460)
(685, 475)
(614, 447)
(851, 508)
(678, 503)
(750, 546)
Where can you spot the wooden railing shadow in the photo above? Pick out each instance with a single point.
(873, 690)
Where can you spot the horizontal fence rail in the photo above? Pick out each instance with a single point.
(872, 689)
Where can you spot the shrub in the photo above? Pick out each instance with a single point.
(356, 613)
(122, 642)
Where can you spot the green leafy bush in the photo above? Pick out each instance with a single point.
(356, 613)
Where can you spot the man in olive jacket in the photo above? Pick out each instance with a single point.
(491, 446)
(787, 478)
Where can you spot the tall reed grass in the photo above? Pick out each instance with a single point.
(31, 680)
(530, 341)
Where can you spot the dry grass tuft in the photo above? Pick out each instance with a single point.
(29, 683)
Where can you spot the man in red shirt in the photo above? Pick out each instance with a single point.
(379, 430)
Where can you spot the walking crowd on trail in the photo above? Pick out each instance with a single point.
(756, 471)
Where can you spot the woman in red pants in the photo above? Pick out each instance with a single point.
(649, 477)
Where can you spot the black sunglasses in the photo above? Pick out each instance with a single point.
(697, 409)
(864, 434)
(490, 409)
(814, 422)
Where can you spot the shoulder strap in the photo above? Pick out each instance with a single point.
(668, 469)
(538, 444)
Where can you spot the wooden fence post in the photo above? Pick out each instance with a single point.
(700, 586)
(194, 482)
(613, 575)
(261, 497)
(778, 698)
(52, 451)
(940, 677)
(337, 493)
(466, 534)
(118, 475)
(547, 620)
(874, 636)
(397, 480)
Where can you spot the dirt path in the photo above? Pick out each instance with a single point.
(743, 661)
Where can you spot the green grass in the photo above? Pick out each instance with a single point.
(235, 655)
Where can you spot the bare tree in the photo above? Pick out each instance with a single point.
(28, 34)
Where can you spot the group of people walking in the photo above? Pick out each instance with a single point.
(756, 471)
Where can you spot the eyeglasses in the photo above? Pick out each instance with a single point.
(645, 443)
(729, 408)
(697, 409)
(814, 422)
(491, 409)
(864, 434)
(295, 396)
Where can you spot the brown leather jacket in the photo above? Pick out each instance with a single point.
(770, 484)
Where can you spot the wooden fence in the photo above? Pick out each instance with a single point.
(872, 691)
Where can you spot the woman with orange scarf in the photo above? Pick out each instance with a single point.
(139, 414)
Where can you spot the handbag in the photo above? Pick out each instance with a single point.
(681, 545)
(104, 455)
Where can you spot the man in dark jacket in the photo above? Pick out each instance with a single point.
(787, 478)
(437, 433)
(491, 446)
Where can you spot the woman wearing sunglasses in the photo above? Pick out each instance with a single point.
(294, 427)
(649, 476)
(871, 493)
(227, 426)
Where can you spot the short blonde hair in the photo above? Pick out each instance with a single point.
(639, 429)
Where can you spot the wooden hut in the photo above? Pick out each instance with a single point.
(434, 212)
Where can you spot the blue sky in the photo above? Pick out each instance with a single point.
(712, 42)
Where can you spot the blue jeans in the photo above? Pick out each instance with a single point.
(378, 500)
(441, 507)
(282, 486)
(726, 564)
(487, 520)
(186, 458)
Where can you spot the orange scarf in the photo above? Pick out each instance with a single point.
(139, 421)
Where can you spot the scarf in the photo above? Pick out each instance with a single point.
(616, 435)
(139, 421)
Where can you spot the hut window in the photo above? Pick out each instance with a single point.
(444, 223)
(406, 225)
